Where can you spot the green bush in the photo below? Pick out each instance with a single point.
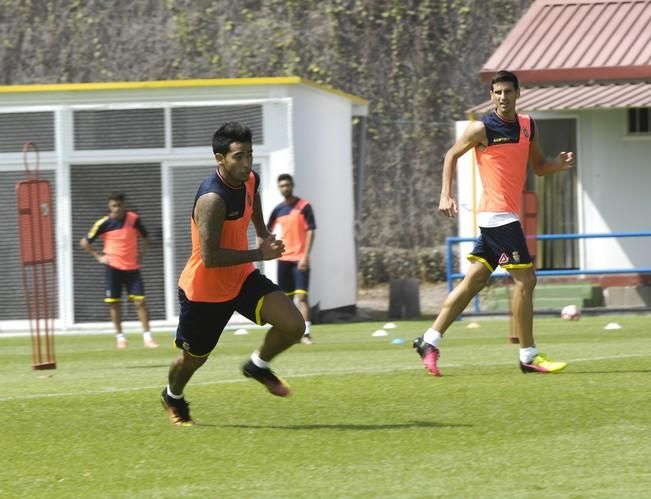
(378, 265)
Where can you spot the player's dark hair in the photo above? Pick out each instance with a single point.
(285, 176)
(227, 134)
(505, 76)
(117, 196)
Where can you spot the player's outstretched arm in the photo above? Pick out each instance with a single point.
(474, 135)
(564, 161)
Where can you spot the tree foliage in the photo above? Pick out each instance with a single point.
(416, 61)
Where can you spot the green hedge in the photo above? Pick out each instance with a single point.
(378, 265)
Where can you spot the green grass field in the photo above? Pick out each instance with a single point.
(365, 420)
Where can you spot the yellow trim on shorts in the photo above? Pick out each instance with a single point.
(112, 300)
(258, 309)
(517, 266)
(475, 258)
(191, 354)
(136, 297)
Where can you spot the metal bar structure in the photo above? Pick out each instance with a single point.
(452, 276)
(33, 202)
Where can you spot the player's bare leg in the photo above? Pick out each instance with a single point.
(287, 326)
(143, 316)
(456, 302)
(172, 398)
(182, 369)
(522, 305)
(116, 318)
(524, 283)
(303, 305)
(143, 313)
(459, 298)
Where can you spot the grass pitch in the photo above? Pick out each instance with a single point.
(365, 420)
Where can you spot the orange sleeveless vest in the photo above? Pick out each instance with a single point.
(503, 171)
(220, 284)
(121, 245)
(294, 232)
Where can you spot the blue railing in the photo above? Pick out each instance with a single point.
(452, 276)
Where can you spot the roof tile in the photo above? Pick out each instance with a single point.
(565, 41)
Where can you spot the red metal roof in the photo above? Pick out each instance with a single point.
(579, 97)
(564, 41)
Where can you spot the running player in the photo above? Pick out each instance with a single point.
(220, 278)
(504, 142)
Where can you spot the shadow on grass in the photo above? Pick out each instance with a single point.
(340, 426)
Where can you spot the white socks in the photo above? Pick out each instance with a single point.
(120, 337)
(308, 324)
(527, 354)
(146, 336)
(255, 358)
(433, 337)
(171, 395)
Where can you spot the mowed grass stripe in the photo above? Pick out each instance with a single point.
(366, 421)
(301, 374)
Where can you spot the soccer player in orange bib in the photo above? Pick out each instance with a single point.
(120, 231)
(295, 220)
(504, 142)
(220, 278)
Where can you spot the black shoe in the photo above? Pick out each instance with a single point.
(429, 355)
(268, 378)
(419, 344)
(177, 410)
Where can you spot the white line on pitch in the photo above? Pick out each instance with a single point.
(292, 375)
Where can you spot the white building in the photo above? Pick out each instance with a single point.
(585, 72)
(152, 140)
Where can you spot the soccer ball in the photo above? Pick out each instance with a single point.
(571, 313)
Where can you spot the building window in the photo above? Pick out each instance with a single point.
(638, 121)
(193, 126)
(18, 128)
(108, 129)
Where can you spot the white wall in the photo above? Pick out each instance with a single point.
(276, 157)
(323, 173)
(615, 173)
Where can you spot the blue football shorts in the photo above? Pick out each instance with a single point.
(202, 323)
(503, 246)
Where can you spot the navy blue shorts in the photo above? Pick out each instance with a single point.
(291, 280)
(504, 246)
(116, 279)
(201, 323)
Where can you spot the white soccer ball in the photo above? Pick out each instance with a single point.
(571, 313)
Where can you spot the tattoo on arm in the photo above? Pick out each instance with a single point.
(209, 215)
